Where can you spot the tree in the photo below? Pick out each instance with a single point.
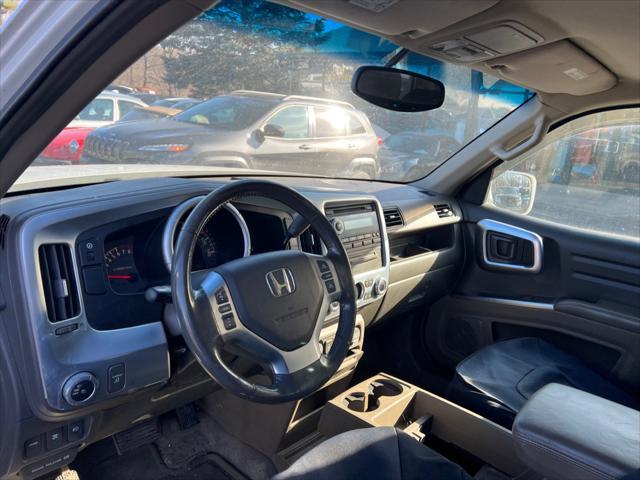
(241, 44)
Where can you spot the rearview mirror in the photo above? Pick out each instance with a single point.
(398, 90)
(515, 191)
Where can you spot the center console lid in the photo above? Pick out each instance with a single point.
(563, 433)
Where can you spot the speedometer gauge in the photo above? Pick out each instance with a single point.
(122, 274)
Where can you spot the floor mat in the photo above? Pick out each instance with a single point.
(145, 463)
(204, 451)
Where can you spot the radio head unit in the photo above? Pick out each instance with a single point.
(358, 227)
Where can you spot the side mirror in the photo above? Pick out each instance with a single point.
(398, 90)
(271, 130)
(515, 191)
(258, 135)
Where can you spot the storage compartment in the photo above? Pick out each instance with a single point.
(421, 242)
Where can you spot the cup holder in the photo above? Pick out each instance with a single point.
(385, 388)
(361, 402)
(370, 401)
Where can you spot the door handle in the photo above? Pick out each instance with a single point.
(506, 247)
(305, 147)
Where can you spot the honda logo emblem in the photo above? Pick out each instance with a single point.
(281, 282)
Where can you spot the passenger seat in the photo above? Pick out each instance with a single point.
(497, 380)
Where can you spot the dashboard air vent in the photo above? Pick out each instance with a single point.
(392, 217)
(310, 242)
(4, 224)
(443, 210)
(59, 281)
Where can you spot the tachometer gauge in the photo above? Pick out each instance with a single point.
(122, 274)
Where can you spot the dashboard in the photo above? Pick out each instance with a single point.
(91, 348)
(120, 261)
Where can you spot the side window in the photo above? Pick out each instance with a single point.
(125, 107)
(585, 174)
(294, 121)
(99, 110)
(355, 125)
(330, 122)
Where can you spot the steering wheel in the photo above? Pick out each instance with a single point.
(271, 305)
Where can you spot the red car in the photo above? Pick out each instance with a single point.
(66, 147)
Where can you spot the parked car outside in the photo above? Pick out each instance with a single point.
(149, 113)
(410, 155)
(250, 130)
(171, 102)
(124, 89)
(66, 147)
(106, 108)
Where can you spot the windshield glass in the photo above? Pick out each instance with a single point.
(227, 112)
(274, 86)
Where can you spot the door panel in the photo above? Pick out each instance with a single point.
(585, 298)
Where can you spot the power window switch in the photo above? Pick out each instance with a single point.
(228, 321)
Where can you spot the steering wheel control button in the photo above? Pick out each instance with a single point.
(323, 266)
(229, 321)
(331, 286)
(226, 308)
(327, 276)
(116, 378)
(80, 388)
(54, 438)
(33, 447)
(75, 431)
(221, 296)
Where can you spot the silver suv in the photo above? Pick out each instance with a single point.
(249, 129)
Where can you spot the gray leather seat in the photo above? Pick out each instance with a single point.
(497, 380)
(383, 453)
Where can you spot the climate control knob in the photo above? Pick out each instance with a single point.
(80, 388)
(380, 287)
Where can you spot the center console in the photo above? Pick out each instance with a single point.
(386, 401)
(562, 432)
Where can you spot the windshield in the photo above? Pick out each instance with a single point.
(227, 112)
(275, 89)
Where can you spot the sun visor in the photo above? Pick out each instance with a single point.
(559, 67)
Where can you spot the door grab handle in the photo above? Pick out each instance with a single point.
(535, 138)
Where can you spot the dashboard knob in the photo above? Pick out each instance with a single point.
(80, 388)
(338, 225)
(380, 287)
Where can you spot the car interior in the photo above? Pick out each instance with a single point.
(480, 319)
